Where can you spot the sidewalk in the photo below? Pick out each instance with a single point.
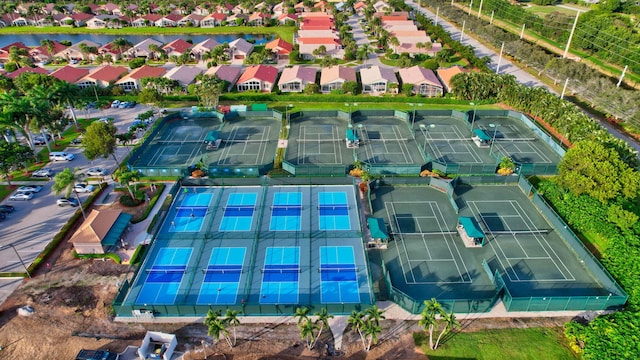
(136, 234)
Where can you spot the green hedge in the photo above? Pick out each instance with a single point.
(138, 254)
(152, 203)
(57, 239)
(253, 97)
(113, 256)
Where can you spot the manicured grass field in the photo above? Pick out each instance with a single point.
(513, 344)
(543, 11)
(285, 32)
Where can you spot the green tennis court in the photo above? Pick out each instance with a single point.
(315, 140)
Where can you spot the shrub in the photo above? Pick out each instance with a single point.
(152, 203)
(136, 257)
(126, 200)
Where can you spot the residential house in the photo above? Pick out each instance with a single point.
(318, 34)
(414, 42)
(157, 345)
(307, 47)
(359, 7)
(170, 20)
(278, 9)
(239, 9)
(26, 69)
(258, 19)
(133, 80)
(70, 74)
(321, 6)
(296, 78)
(4, 51)
(287, 19)
(177, 47)
(202, 9)
(381, 6)
(258, 77)
(96, 23)
(108, 50)
(301, 7)
(237, 19)
(332, 78)
(73, 52)
(191, 20)
(184, 75)
(44, 53)
(102, 76)
(240, 48)
(403, 14)
(76, 19)
(151, 19)
(100, 232)
(377, 80)
(203, 47)
(141, 49)
(225, 9)
(281, 48)
(213, 20)
(424, 81)
(445, 75)
(110, 8)
(228, 73)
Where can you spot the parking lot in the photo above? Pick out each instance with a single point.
(27, 231)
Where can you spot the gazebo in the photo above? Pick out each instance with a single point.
(378, 230)
(470, 232)
(101, 231)
(480, 138)
(352, 139)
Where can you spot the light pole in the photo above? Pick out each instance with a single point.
(413, 118)
(495, 130)
(473, 119)
(349, 105)
(425, 132)
(287, 112)
(20, 258)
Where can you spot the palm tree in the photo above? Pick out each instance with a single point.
(125, 177)
(371, 331)
(65, 181)
(357, 320)
(307, 329)
(121, 45)
(450, 323)
(20, 111)
(48, 44)
(231, 318)
(323, 320)
(302, 313)
(375, 314)
(428, 318)
(394, 42)
(216, 327)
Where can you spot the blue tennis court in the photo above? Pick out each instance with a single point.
(164, 277)
(338, 275)
(280, 275)
(286, 211)
(238, 213)
(190, 213)
(222, 276)
(333, 211)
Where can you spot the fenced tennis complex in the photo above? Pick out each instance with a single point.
(527, 260)
(262, 250)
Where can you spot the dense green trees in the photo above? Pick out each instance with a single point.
(99, 140)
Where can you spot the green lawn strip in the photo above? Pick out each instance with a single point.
(298, 106)
(5, 190)
(542, 11)
(284, 32)
(513, 344)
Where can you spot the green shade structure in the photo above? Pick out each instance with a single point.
(212, 136)
(116, 230)
(259, 107)
(351, 135)
(377, 228)
(482, 135)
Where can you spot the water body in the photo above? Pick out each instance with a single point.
(34, 39)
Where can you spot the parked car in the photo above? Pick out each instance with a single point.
(115, 104)
(76, 141)
(5, 209)
(61, 156)
(123, 105)
(43, 173)
(30, 188)
(21, 196)
(131, 104)
(67, 202)
(97, 171)
(39, 140)
(83, 188)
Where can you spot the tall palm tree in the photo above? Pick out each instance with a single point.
(450, 323)
(371, 331)
(216, 327)
(323, 320)
(307, 329)
(302, 313)
(21, 112)
(121, 45)
(375, 314)
(356, 320)
(231, 318)
(65, 181)
(428, 321)
(48, 44)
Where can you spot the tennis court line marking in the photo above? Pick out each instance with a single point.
(186, 263)
(371, 153)
(495, 244)
(309, 141)
(259, 154)
(435, 149)
(447, 239)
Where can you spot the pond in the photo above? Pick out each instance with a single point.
(34, 39)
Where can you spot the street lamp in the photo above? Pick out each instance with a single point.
(413, 119)
(287, 112)
(349, 105)
(20, 258)
(495, 130)
(425, 132)
(473, 119)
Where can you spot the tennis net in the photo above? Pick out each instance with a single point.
(165, 271)
(281, 270)
(222, 271)
(245, 141)
(323, 269)
(200, 207)
(427, 233)
(287, 207)
(239, 208)
(469, 139)
(329, 139)
(520, 232)
(178, 142)
(387, 140)
(334, 207)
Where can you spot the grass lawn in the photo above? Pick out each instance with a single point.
(5, 190)
(298, 106)
(543, 11)
(513, 344)
(285, 32)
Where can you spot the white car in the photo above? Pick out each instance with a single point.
(42, 173)
(83, 188)
(115, 104)
(30, 188)
(21, 196)
(97, 171)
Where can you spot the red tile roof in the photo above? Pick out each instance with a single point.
(17, 44)
(260, 72)
(174, 17)
(57, 47)
(108, 73)
(318, 41)
(147, 71)
(152, 17)
(23, 70)
(81, 16)
(70, 74)
(178, 45)
(281, 46)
